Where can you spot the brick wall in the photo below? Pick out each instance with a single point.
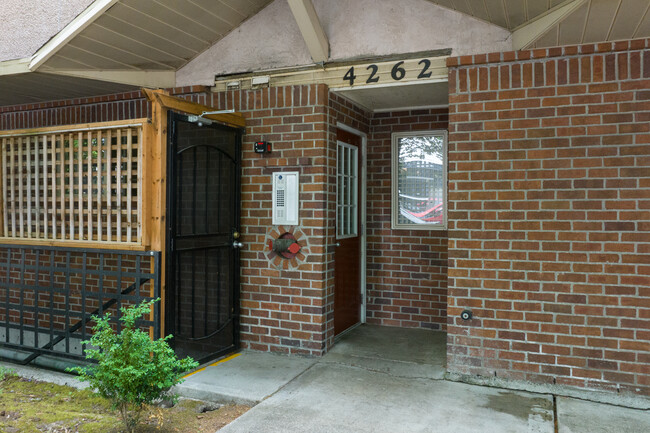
(407, 269)
(283, 310)
(119, 106)
(549, 196)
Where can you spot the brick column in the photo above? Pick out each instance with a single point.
(549, 193)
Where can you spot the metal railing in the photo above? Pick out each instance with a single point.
(49, 295)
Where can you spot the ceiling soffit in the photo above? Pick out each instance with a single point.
(593, 21)
(157, 35)
(35, 87)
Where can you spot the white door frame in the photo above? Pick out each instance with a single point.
(362, 214)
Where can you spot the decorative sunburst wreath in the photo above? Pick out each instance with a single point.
(286, 247)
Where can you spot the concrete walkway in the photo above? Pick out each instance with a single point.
(382, 380)
(389, 380)
(338, 398)
(245, 378)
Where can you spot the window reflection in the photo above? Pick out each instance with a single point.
(420, 180)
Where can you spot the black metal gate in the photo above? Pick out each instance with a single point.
(49, 295)
(203, 201)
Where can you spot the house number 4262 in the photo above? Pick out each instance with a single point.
(397, 72)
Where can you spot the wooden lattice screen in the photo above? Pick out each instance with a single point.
(82, 184)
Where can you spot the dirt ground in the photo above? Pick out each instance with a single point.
(39, 407)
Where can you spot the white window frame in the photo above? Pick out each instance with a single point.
(351, 201)
(395, 224)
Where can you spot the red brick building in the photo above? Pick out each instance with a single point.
(539, 225)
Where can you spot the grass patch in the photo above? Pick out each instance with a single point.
(34, 407)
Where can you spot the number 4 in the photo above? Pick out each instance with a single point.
(349, 76)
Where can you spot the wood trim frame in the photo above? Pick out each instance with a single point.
(74, 244)
(80, 127)
(155, 170)
(363, 247)
(236, 120)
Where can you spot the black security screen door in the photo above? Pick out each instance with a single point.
(202, 282)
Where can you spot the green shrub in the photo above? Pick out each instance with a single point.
(132, 370)
(4, 372)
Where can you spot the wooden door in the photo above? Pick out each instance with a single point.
(347, 274)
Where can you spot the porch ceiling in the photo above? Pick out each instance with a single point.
(399, 97)
(150, 35)
(591, 21)
(37, 87)
(120, 45)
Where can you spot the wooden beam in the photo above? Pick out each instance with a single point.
(74, 128)
(235, 120)
(311, 29)
(12, 67)
(154, 174)
(155, 184)
(133, 78)
(526, 34)
(74, 244)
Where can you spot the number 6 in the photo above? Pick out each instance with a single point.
(397, 73)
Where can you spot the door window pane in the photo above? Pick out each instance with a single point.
(347, 185)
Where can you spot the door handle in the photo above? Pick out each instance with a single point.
(338, 244)
(237, 244)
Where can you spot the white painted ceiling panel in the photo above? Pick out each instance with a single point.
(572, 28)
(644, 27)
(231, 12)
(148, 37)
(463, 6)
(39, 87)
(160, 28)
(479, 10)
(166, 13)
(595, 21)
(126, 49)
(629, 17)
(153, 34)
(496, 12)
(536, 8)
(549, 39)
(516, 12)
(600, 19)
(91, 59)
(402, 97)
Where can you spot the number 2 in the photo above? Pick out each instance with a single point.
(425, 68)
(372, 78)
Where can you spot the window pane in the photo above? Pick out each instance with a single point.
(347, 185)
(420, 180)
